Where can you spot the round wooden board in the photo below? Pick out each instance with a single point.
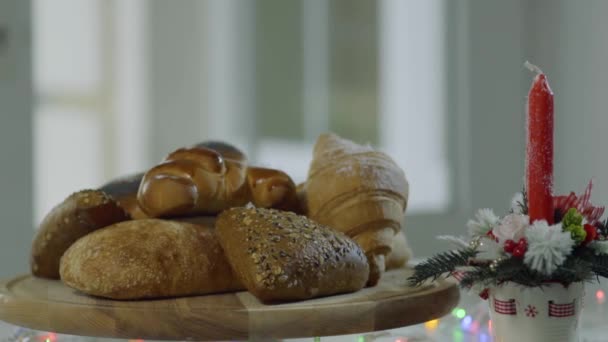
(48, 305)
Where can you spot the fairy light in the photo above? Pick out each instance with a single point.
(475, 327)
(460, 313)
(466, 323)
(600, 295)
(50, 337)
(457, 335)
(483, 338)
(361, 339)
(317, 339)
(490, 326)
(401, 340)
(431, 325)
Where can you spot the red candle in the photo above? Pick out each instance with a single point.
(539, 150)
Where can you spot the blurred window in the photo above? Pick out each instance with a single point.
(88, 80)
(275, 74)
(369, 71)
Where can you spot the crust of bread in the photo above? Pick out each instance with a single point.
(78, 215)
(282, 256)
(148, 258)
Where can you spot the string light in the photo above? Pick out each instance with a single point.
(600, 295)
(401, 340)
(457, 335)
(361, 339)
(466, 323)
(475, 327)
(317, 339)
(490, 326)
(50, 337)
(460, 313)
(431, 325)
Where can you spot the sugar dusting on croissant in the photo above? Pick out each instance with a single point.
(358, 191)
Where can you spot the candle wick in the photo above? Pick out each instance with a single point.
(532, 67)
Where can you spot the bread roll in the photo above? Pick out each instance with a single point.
(281, 256)
(75, 217)
(208, 178)
(124, 191)
(148, 258)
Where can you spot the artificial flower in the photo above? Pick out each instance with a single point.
(548, 247)
(572, 222)
(591, 233)
(581, 203)
(488, 249)
(511, 227)
(599, 247)
(485, 220)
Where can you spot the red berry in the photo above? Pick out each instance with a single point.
(509, 246)
(484, 294)
(491, 235)
(519, 251)
(591, 233)
(523, 243)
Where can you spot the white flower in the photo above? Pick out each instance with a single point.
(548, 247)
(485, 220)
(511, 227)
(488, 249)
(599, 247)
(515, 203)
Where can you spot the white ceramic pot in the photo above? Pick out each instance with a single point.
(536, 314)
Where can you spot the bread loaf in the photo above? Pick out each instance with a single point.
(78, 215)
(148, 258)
(281, 256)
(208, 178)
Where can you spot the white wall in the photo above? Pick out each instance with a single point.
(15, 138)
(570, 42)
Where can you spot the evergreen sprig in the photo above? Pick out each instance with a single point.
(599, 265)
(602, 227)
(440, 264)
(523, 205)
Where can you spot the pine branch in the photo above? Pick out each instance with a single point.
(602, 227)
(481, 274)
(573, 270)
(599, 265)
(440, 264)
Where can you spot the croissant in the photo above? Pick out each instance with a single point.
(358, 191)
(209, 178)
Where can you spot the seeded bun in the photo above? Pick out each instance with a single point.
(78, 215)
(282, 256)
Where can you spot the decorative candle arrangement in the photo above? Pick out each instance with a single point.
(555, 243)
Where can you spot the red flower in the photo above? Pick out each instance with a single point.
(591, 233)
(580, 203)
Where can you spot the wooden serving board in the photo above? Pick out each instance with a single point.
(48, 305)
